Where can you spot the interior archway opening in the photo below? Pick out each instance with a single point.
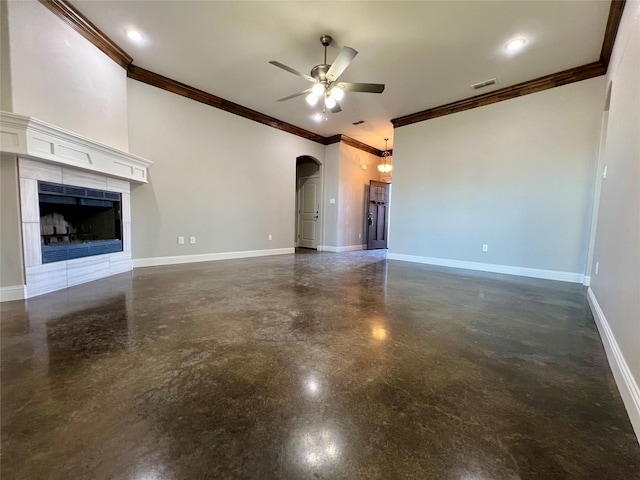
(308, 218)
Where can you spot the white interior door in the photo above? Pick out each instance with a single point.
(308, 212)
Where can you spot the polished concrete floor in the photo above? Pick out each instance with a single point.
(316, 366)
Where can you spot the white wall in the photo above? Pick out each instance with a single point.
(517, 175)
(616, 287)
(59, 77)
(228, 181)
(5, 64)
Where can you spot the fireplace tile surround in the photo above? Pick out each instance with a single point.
(42, 278)
(48, 153)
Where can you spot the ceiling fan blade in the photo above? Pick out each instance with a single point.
(308, 90)
(336, 109)
(362, 87)
(342, 61)
(292, 70)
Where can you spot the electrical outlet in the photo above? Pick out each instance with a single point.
(180, 240)
(604, 172)
(597, 267)
(485, 248)
(192, 240)
(359, 235)
(270, 237)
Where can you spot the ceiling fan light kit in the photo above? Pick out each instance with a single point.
(337, 93)
(325, 80)
(312, 99)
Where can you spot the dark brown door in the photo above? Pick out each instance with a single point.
(378, 216)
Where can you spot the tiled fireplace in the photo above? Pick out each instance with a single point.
(53, 159)
(46, 277)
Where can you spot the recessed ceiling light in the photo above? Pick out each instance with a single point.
(515, 44)
(134, 35)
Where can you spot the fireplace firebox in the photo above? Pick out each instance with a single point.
(78, 222)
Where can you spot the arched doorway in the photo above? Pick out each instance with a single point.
(308, 229)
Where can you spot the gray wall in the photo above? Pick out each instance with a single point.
(226, 180)
(517, 175)
(12, 272)
(331, 190)
(354, 186)
(617, 247)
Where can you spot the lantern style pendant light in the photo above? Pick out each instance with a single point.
(385, 166)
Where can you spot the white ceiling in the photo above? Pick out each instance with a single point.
(428, 53)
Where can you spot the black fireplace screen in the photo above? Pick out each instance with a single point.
(78, 222)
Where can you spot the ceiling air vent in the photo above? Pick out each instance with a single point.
(486, 83)
(359, 122)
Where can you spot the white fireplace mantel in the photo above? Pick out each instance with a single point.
(38, 140)
(50, 154)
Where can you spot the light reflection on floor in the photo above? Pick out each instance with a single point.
(317, 445)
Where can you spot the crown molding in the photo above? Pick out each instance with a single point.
(572, 75)
(360, 146)
(557, 79)
(355, 144)
(88, 30)
(610, 33)
(333, 139)
(150, 78)
(173, 86)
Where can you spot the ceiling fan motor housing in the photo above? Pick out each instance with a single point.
(324, 76)
(319, 72)
(326, 40)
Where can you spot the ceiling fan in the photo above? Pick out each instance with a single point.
(325, 79)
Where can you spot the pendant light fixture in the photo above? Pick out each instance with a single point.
(385, 166)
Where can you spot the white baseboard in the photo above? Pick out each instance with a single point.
(489, 267)
(348, 248)
(207, 257)
(587, 280)
(627, 385)
(14, 292)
